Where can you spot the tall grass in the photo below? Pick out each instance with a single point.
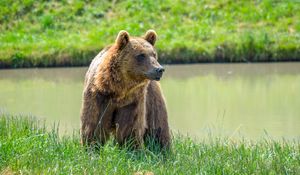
(70, 33)
(27, 147)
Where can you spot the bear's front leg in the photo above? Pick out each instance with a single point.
(95, 113)
(157, 116)
(130, 124)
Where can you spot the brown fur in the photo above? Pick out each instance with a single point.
(119, 97)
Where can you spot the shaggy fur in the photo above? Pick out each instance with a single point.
(119, 98)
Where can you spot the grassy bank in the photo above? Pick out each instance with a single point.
(70, 33)
(26, 147)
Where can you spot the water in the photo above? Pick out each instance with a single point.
(252, 101)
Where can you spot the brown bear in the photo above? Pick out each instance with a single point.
(122, 95)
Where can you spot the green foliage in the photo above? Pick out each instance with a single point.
(193, 31)
(27, 147)
(47, 21)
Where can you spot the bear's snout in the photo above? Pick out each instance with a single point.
(160, 70)
(156, 73)
(159, 73)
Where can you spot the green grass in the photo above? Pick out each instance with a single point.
(70, 33)
(26, 147)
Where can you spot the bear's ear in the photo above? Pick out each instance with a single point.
(150, 36)
(122, 39)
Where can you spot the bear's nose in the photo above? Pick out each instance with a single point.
(160, 70)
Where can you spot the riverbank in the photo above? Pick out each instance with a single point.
(70, 33)
(27, 147)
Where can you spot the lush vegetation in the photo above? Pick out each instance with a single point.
(26, 147)
(70, 33)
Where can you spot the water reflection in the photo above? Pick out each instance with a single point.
(234, 100)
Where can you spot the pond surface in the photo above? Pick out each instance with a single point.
(252, 101)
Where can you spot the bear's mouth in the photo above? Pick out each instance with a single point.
(157, 78)
(153, 76)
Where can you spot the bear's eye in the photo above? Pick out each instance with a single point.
(141, 57)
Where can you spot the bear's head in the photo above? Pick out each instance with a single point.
(138, 56)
